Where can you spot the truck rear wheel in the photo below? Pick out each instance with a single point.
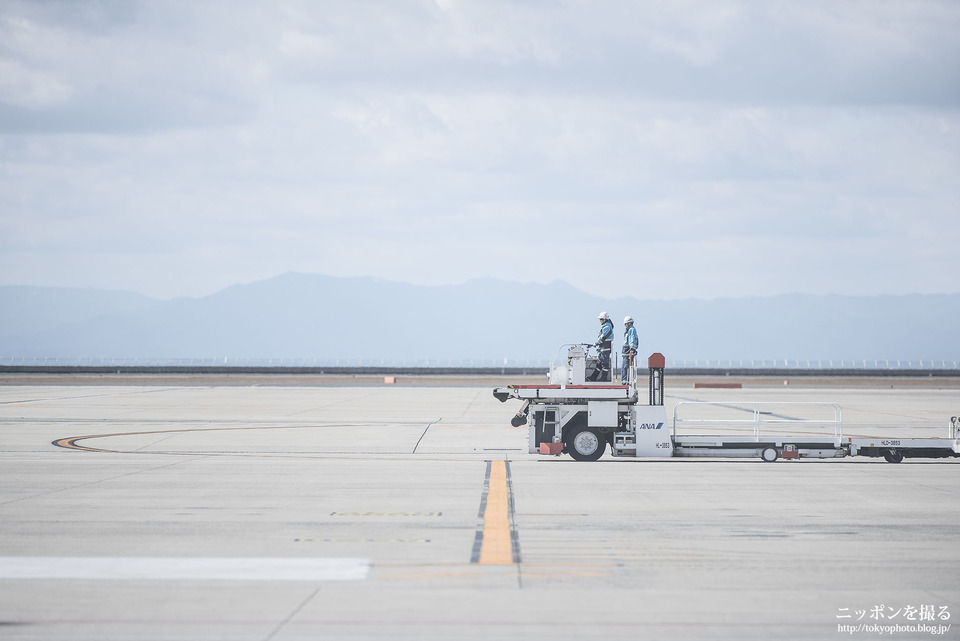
(585, 444)
(892, 456)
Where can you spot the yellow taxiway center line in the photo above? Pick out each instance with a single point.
(496, 548)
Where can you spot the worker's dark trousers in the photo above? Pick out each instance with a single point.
(603, 365)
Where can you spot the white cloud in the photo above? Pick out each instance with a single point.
(22, 87)
(685, 149)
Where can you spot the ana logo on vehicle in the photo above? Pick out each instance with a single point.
(650, 426)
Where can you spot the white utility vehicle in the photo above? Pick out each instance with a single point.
(574, 415)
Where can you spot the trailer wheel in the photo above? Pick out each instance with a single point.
(585, 444)
(769, 454)
(892, 456)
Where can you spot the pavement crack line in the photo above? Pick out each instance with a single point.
(467, 411)
(171, 435)
(290, 616)
(104, 480)
(429, 425)
(86, 396)
(351, 400)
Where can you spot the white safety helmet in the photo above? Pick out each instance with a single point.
(603, 316)
(628, 320)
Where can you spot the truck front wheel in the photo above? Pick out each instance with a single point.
(585, 444)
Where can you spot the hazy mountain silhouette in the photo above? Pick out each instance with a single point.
(327, 318)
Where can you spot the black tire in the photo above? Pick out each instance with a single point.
(892, 456)
(585, 444)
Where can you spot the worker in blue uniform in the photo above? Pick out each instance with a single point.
(630, 345)
(604, 346)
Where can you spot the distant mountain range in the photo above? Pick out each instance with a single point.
(305, 316)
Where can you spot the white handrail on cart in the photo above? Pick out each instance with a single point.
(762, 418)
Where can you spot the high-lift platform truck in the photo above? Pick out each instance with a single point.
(573, 415)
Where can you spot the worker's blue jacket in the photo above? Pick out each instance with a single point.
(606, 334)
(630, 339)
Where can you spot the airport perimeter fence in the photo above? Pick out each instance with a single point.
(862, 367)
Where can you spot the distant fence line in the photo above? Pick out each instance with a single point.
(778, 365)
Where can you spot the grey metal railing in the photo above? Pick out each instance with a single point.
(762, 415)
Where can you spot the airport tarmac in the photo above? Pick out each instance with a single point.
(164, 509)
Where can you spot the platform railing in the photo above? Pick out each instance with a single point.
(762, 415)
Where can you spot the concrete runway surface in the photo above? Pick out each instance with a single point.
(153, 509)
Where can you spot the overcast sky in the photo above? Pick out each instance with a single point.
(648, 149)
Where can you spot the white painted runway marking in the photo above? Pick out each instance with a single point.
(183, 568)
